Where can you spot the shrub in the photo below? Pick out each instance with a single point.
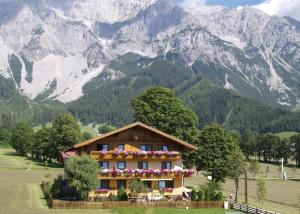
(200, 195)
(122, 195)
(56, 187)
(207, 196)
(219, 196)
(193, 195)
(112, 197)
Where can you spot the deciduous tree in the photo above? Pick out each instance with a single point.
(22, 138)
(81, 172)
(215, 151)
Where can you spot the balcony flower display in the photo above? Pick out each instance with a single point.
(166, 189)
(128, 172)
(115, 172)
(166, 171)
(158, 153)
(172, 153)
(117, 152)
(126, 153)
(104, 171)
(149, 172)
(157, 172)
(188, 172)
(138, 172)
(103, 152)
(101, 191)
(178, 172)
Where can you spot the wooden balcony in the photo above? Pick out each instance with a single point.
(144, 174)
(138, 156)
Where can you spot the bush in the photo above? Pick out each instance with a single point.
(200, 195)
(207, 195)
(56, 187)
(112, 197)
(219, 196)
(122, 195)
(193, 195)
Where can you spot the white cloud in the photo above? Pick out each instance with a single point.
(281, 8)
(191, 4)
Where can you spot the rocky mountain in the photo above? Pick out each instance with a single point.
(53, 49)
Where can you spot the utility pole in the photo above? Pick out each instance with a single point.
(246, 186)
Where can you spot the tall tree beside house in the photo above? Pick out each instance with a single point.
(66, 132)
(295, 141)
(216, 148)
(22, 138)
(159, 107)
(81, 172)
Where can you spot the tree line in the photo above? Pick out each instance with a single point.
(270, 147)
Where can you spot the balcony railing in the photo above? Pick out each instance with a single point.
(135, 155)
(145, 173)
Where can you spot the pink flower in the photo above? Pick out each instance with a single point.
(139, 172)
(102, 191)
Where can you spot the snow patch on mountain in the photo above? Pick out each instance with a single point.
(64, 69)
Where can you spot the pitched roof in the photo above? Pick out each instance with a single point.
(88, 142)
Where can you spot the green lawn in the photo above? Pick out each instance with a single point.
(168, 211)
(20, 190)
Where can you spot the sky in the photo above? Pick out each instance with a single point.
(272, 7)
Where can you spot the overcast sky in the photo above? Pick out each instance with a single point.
(273, 7)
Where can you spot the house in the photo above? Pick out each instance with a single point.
(137, 151)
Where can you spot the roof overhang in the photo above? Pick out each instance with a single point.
(136, 124)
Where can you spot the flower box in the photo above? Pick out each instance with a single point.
(102, 191)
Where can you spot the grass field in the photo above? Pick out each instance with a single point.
(282, 196)
(168, 211)
(20, 190)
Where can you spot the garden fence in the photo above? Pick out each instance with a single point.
(61, 204)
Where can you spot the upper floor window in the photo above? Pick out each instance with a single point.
(121, 147)
(102, 147)
(166, 165)
(164, 148)
(142, 165)
(104, 164)
(146, 148)
(121, 165)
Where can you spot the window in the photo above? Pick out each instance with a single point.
(166, 165)
(147, 184)
(121, 165)
(121, 183)
(142, 165)
(146, 147)
(121, 147)
(166, 184)
(164, 148)
(104, 184)
(102, 147)
(104, 164)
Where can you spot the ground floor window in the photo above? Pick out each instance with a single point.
(104, 184)
(166, 184)
(121, 183)
(147, 184)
